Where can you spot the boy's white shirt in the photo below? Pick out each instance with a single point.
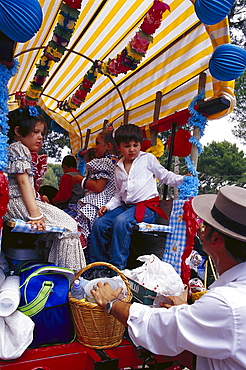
(140, 184)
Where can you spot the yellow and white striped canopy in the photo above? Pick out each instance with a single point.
(180, 51)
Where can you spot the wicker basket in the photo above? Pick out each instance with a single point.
(94, 327)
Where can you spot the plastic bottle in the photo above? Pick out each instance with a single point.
(77, 290)
(83, 281)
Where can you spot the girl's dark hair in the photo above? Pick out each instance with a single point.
(90, 154)
(21, 117)
(107, 137)
(127, 133)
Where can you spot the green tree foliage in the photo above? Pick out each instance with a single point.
(239, 113)
(52, 175)
(220, 164)
(57, 169)
(54, 143)
(237, 22)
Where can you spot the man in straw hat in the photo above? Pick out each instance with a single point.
(213, 327)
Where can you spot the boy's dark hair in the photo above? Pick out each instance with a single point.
(69, 161)
(127, 133)
(21, 117)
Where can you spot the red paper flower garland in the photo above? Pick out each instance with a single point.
(127, 60)
(54, 51)
(75, 4)
(192, 226)
(84, 88)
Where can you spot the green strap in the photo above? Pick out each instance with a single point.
(38, 303)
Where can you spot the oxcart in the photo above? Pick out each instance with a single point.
(94, 64)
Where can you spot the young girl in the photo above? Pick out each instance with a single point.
(99, 182)
(26, 133)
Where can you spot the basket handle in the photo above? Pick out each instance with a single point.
(112, 267)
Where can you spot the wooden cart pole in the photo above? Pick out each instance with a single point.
(126, 115)
(170, 154)
(87, 137)
(196, 130)
(156, 114)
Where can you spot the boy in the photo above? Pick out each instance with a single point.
(136, 199)
(68, 192)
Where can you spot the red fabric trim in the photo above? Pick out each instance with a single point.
(153, 203)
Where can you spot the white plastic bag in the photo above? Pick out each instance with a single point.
(157, 276)
(16, 334)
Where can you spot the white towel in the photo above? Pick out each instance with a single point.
(16, 334)
(9, 295)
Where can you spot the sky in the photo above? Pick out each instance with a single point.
(219, 130)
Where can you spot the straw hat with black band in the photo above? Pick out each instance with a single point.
(226, 211)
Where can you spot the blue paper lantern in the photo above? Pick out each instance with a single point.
(212, 11)
(228, 62)
(20, 19)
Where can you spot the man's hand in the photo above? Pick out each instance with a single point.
(103, 293)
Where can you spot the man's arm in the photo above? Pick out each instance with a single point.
(121, 311)
(104, 293)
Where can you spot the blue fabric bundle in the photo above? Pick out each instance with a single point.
(44, 297)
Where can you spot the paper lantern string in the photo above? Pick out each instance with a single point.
(189, 188)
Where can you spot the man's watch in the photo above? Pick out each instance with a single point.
(109, 305)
